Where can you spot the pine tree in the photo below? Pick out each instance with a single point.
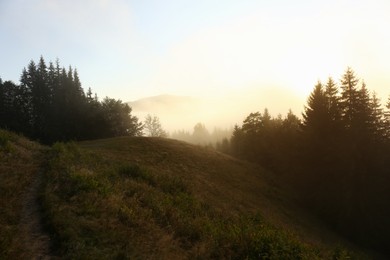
(316, 114)
(252, 123)
(364, 114)
(236, 141)
(349, 97)
(12, 107)
(89, 96)
(291, 122)
(387, 119)
(29, 81)
(333, 100)
(200, 135)
(378, 123)
(6, 104)
(42, 96)
(266, 119)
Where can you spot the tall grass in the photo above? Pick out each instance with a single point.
(98, 209)
(19, 164)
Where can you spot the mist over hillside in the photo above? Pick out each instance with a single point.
(184, 112)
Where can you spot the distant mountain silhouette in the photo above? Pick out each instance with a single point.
(183, 112)
(165, 103)
(175, 112)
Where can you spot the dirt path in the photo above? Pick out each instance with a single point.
(33, 237)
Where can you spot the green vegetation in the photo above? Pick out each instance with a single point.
(101, 205)
(19, 164)
(50, 105)
(152, 197)
(337, 158)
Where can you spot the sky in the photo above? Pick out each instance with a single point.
(260, 53)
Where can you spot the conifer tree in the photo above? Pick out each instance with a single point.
(236, 141)
(252, 123)
(50, 105)
(316, 113)
(333, 100)
(387, 119)
(42, 94)
(378, 123)
(349, 97)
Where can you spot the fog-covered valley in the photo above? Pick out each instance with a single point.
(178, 113)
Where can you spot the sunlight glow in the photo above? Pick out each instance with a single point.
(130, 50)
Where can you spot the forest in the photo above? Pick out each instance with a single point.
(336, 158)
(50, 105)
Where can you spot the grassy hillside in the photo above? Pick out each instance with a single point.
(158, 198)
(20, 161)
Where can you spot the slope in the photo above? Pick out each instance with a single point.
(160, 198)
(21, 233)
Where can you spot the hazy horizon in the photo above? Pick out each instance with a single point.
(183, 112)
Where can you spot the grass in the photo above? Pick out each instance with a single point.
(19, 163)
(128, 198)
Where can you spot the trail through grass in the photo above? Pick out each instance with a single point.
(21, 233)
(137, 198)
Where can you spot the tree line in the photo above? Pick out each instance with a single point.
(337, 158)
(218, 138)
(50, 105)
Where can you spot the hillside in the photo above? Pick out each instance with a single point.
(21, 232)
(149, 198)
(161, 198)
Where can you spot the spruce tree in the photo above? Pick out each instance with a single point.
(315, 116)
(378, 123)
(362, 123)
(349, 97)
(387, 119)
(42, 96)
(333, 100)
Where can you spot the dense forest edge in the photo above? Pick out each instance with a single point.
(336, 158)
(50, 105)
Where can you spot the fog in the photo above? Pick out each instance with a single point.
(184, 112)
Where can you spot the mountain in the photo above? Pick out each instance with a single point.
(174, 112)
(165, 103)
(181, 112)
